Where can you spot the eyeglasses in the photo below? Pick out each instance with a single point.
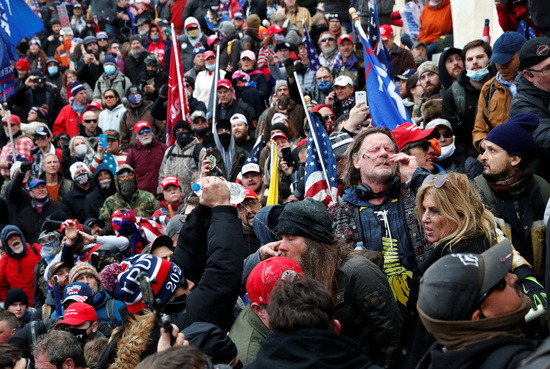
(325, 117)
(545, 71)
(144, 130)
(446, 134)
(439, 180)
(126, 175)
(326, 39)
(109, 97)
(425, 145)
(90, 120)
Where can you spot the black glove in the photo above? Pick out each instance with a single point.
(163, 91)
(289, 66)
(25, 166)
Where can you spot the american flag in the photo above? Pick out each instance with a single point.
(254, 155)
(386, 106)
(377, 45)
(312, 54)
(316, 178)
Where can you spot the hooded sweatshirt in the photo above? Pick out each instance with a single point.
(17, 270)
(95, 200)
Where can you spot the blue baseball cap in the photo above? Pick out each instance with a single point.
(506, 46)
(35, 182)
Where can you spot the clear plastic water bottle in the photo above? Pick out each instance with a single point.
(236, 191)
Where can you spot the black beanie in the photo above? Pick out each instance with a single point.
(16, 295)
(516, 135)
(182, 124)
(308, 218)
(281, 127)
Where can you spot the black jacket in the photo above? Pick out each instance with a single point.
(96, 198)
(29, 220)
(133, 66)
(310, 348)
(25, 98)
(75, 200)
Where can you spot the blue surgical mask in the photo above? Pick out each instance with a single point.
(53, 70)
(477, 75)
(109, 69)
(210, 67)
(324, 86)
(134, 98)
(154, 37)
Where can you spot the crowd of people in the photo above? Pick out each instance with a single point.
(124, 246)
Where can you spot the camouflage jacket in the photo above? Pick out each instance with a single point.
(142, 201)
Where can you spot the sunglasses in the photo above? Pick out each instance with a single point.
(325, 117)
(439, 180)
(425, 145)
(144, 130)
(90, 120)
(109, 97)
(500, 286)
(326, 39)
(446, 134)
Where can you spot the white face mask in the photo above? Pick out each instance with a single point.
(81, 150)
(447, 151)
(435, 2)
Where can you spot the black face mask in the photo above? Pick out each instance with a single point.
(225, 139)
(80, 334)
(201, 132)
(183, 138)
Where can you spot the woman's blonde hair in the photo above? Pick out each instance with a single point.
(458, 201)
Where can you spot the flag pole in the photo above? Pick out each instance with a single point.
(215, 92)
(178, 70)
(357, 22)
(311, 130)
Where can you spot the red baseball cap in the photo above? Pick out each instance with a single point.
(386, 31)
(192, 24)
(265, 275)
(14, 119)
(273, 29)
(208, 54)
(278, 134)
(170, 180)
(94, 104)
(408, 132)
(250, 194)
(345, 36)
(78, 313)
(224, 83)
(141, 125)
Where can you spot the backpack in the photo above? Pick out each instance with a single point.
(196, 152)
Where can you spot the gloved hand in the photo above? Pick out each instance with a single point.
(25, 166)
(163, 91)
(289, 66)
(534, 291)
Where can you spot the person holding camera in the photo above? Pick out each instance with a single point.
(88, 66)
(153, 78)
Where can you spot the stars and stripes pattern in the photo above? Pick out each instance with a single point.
(312, 54)
(386, 106)
(317, 181)
(373, 33)
(254, 155)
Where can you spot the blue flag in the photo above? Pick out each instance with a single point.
(254, 155)
(375, 41)
(316, 179)
(7, 78)
(386, 106)
(312, 54)
(17, 21)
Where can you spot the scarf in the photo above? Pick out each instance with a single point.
(457, 335)
(78, 109)
(515, 183)
(348, 64)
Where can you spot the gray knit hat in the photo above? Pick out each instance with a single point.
(308, 218)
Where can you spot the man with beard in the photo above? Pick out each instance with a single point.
(428, 78)
(89, 67)
(327, 45)
(252, 177)
(284, 105)
(307, 237)
(134, 64)
(173, 198)
(378, 201)
(239, 130)
(499, 90)
(228, 105)
(104, 180)
(450, 66)
(419, 52)
(510, 188)
(153, 78)
(128, 196)
(18, 262)
(461, 99)
(182, 159)
(146, 157)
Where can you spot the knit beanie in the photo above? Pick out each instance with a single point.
(253, 21)
(516, 135)
(109, 59)
(226, 27)
(166, 277)
(308, 218)
(76, 88)
(427, 66)
(81, 269)
(16, 295)
(182, 124)
(281, 127)
(280, 83)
